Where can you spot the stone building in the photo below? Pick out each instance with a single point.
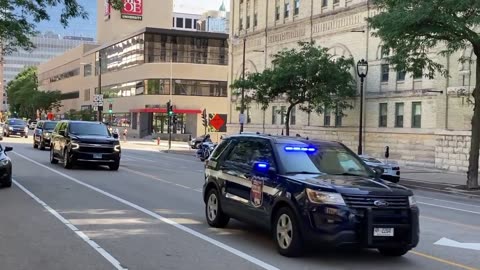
(425, 122)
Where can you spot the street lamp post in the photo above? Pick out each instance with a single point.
(100, 108)
(242, 106)
(362, 71)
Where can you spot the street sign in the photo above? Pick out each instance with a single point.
(217, 122)
(98, 100)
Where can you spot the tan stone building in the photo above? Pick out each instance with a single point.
(424, 122)
(143, 63)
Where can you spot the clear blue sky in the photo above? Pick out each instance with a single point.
(198, 6)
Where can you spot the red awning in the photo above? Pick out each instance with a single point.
(164, 110)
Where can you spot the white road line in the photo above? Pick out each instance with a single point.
(137, 158)
(447, 201)
(183, 186)
(451, 208)
(212, 241)
(72, 227)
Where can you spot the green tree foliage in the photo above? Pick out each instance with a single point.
(415, 30)
(19, 17)
(25, 98)
(308, 76)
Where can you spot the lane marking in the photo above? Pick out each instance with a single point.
(137, 158)
(166, 156)
(159, 179)
(451, 222)
(72, 227)
(440, 200)
(443, 260)
(444, 192)
(451, 208)
(183, 228)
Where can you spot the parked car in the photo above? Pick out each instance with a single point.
(43, 133)
(391, 172)
(75, 142)
(15, 126)
(206, 149)
(5, 167)
(196, 142)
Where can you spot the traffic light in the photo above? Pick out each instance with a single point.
(204, 118)
(174, 119)
(110, 108)
(169, 108)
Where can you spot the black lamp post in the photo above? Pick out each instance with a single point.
(362, 71)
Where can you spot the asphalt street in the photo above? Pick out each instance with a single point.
(150, 215)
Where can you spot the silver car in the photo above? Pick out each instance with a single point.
(391, 172)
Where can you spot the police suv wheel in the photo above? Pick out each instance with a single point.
(287, 234)
(213, 210)
(393, 252)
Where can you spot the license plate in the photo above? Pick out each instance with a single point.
(97, 156)
(383, 232)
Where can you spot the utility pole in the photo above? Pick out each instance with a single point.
(242, 106)
(100, 108)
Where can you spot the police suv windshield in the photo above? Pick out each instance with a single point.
(321, 159)
(16, 122)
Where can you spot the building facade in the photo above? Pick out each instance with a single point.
(424, 122)
(47, 46)
(140, 71)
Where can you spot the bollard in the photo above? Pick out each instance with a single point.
(158, 140)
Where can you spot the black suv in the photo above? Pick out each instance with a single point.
(84, 142)
(43, 133)
(308, 191)
(15, 126)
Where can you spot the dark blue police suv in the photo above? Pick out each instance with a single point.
(308, 192)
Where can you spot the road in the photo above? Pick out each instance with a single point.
(150, 215)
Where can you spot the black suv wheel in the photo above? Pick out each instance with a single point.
(287, 235)
(213, 210)
(67, 163)
(115, 166)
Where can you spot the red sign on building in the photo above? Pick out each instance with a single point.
(132, 9)
(108, 9)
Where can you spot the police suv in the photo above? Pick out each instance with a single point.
(308, 192)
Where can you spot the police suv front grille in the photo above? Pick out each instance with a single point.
(367, 201)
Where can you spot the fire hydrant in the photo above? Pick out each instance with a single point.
(158, 140)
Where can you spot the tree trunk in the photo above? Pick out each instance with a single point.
(287, 119)
(472, 176)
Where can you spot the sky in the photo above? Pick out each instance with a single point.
(198, 6)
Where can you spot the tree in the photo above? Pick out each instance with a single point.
(19, 17)
(308, 76)
(413, 29)
(25, 98)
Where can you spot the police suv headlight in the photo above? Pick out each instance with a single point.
(412, 201)
(322, 197)
(74, 145)
(116, 148)
(3, 162)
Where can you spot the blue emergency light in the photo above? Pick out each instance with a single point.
(261, 166)
(300, 149)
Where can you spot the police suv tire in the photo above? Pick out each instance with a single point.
(393, 252)
(115, 166)
(35, 145)
(296, 245)
(53, 160)
(220, 219)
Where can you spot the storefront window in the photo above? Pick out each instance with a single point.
(118, 119)
(123, 55)
(160, 124)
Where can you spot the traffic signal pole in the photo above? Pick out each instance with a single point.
(169, 114)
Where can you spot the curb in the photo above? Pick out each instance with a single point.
(442, 188)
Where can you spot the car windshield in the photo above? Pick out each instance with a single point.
(93, 129)
(16, 122)
(49, 125)
(329, 159)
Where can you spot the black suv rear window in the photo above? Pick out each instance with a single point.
(92, 129)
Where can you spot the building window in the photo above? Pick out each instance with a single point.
(87, 70)
(336, 2)
(248, 15)
(326, 117)
(255, 13)
(125, 54)
(255, 20)
(248, 22)
(173, 22)
(324, 3)
(86, 95)
(188, 23)
(385, 68)
(338, 118)
(416, 115)
(401, 76)
(293, 116)
(283, 113)
(287, 9)
(277, 10)
(179, 22)
(417, 75)
(274, 115)
(240, 24)
(297, 7)
(399, 107)
(383, 113)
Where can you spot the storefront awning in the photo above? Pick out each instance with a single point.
(164, 110)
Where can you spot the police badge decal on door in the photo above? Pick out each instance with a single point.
(256, 193)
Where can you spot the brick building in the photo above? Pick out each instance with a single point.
(424, 122)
